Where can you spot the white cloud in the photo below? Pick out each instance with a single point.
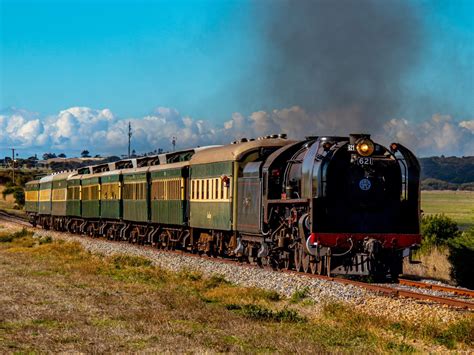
(469, 125)
(100, 131)
(440, 135)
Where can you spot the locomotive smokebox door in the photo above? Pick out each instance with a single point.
(249, 199)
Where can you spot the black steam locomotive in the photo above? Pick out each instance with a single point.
(326, 205)
(350, 206)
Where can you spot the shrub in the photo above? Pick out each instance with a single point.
(18, 194)
(215, 281)
(7, 238)
(45, 239)
(189, 274)
(272, 296)
(258, 312)
(122, 260)
(438, 230)
(299, 295)
(461, 257)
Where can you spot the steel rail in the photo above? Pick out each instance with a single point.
(455, 290)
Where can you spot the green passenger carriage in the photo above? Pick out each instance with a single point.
(213, 180)
(59, 200)
(168, 193)
(32, 196)
(44, 207)
(90, 196)
(211, 195)
(73, 203)
(59, 194)
(111, 195)
(136, 195)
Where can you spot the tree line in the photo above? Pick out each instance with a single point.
(447, 173)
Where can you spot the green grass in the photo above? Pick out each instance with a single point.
(458, 205)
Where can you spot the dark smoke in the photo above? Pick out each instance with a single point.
(328, 56)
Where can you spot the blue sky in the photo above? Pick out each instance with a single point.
(198, 57)
(127, 55)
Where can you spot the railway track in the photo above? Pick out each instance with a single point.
(14, 219)
(393, 292)
(385, 290)
(434, 287)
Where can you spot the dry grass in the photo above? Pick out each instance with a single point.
(58, 297)
(434, 264)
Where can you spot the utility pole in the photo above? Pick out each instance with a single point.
(13, 165)
(129, 137)
(173, 142)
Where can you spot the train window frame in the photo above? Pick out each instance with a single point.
(59, 195)
(29, 194)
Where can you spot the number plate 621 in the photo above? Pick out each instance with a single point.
(365, 161)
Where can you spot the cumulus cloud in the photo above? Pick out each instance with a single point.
(101, 131)
(436, 136)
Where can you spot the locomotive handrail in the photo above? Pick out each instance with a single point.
(404, 175)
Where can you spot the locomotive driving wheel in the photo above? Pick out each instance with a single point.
(305, 261)
(301, 259)
(287, 260)
(315, 266)
(262, 262)
(297, 257)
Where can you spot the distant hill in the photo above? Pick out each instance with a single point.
(447, 173)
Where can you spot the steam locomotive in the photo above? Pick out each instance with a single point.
(325, 205)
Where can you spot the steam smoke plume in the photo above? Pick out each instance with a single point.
(350, 55)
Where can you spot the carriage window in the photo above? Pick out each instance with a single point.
(31, 196)
(59, 194)
(45, 195)
(90, 193)
(110, 191)
(128, 191)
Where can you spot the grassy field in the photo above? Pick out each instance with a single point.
(458, 205)
(61, 298)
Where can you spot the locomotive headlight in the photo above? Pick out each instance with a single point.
(365, 147)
